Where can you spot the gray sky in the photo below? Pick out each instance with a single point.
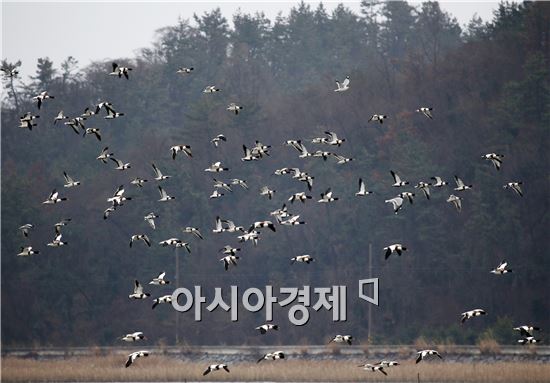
(102, 30)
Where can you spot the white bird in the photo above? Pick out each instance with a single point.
(95, 131)
(118, 197)
(231, 227)
(216, 167)
(397, 203)
(303, 259)
(267, 327)
(340, 160)
(112, 114)
(150, 219)
(426, 111)
(515, 186)
(501, 269)
(456, 201)
(425, 353)
(387, 363)
(181, 148)
(527, 330)
(460, 186)
(184, 70)
(281, 213)
(138, 291)
(395, 248)
(218, 139)
(342, 339)
(104, 155)
(76, 124)
(163, 299)
(176, 242)
(397, 180)
(263, 224)
(425, 187)
(104, 105)
(57, 242)
(87, 113)
(160, 280)
(108, 211)
(234, 108)
(241, 183)
(27, 251)
(60, 224)
(219, 228)
(164, 196)
(377, 117)
(133, 356)
(25, 229)
(292, 221)
(54, 198)
(216, 194)
(251, 235)
(211, 89)
(69, 182)
(302, 197)
(41, 97)
(60, 117)
(215, 367)
(120, 71)
(343, 86)
(248, 156)
(229, 260)
(373, 368)
(194, 231)
(119, 164)
(138, 237)
(496, 159)
(158, 174)
(327, 197)
(528, 340)
(229, 250)
(139, 182)
(333, 139)
(323, 154)
(133, 337)
(362, 189)
(471, 314)
(438, 182)
(222, 185)
(267, 192)
(407, 195)
(272, 356)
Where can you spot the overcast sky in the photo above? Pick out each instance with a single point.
(103, 30)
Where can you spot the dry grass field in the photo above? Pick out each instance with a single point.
(162, 368)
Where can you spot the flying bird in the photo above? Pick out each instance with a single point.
(54, 198)
(460, 185)
(496, 159)
(138, 291)
(456, 201)
(397, 182)
(327, 197)
(69, 181)
(426, 353)
(27, 251)
(234, 108)
(438, 182)
(181, 148)
(133, 337)
(342, 339)
(515, 186)
(119, 164)
(471, 314)
(133, 356)
(163, 299)
(395, 248)
(272, 356)
(501, 269)
(140, 237)
(150, 219)
(41, 98)
(218, 139)
(104, 155)
(377, 117)
(342, 87)
(215, 367)
(120, 71)
(160, 280)
(158, 174)
(263, 329)
(397, 203)
(164, 196)
(426, 111)
(303, 259)
(26, 228)
(362, 189)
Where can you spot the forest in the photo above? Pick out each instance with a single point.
(488, 84)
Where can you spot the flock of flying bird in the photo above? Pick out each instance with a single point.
(253, 232)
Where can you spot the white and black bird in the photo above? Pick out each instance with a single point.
(140, 237)
(186, 149)
(377, 117)
(120, 71)
(57, 242)
(119, 164)
(234, 108)
(26, 228)
(241, 183)
(272, 356)
(302, 197)
(501, 269)
(138, 291)
(41, 98)
(324, 154)
(471, 314)
(425, 187)
(407, 196)
(54, 198)
(456, 201)
(266, 191)
(95, 131)
(211, 89)
(291, 221)
(139, 182)
(222, 185)
(185, 70)
(395, 248)
(112, 114)
(159, 280)
(342, 339)
(388, 363)
(340, 160)
(216, 194)
(263, 329)
(529, 340)
(515, 186)
(193, 230)
(426, 111)
(133, 356)
(176, 242)
(219, 227)
(216, 167)
(327, 197)
(218, 139)
(362, 189)
(164, 196)
(87, 113)
(27, 251)
(104, 155)
(229, 250)
(527, 330)
(60, 224)
(60, 117)
(163, 299)
(133, 337)
(150, 219)
(251, 235)
(103, 105)
(158, 174)
(69, 181)
(332, 139)
(262, 225)
(397, 182)
(229, 260)
(231, 227)
(108, 212)
(118, 197)
(425, 354)
(438, 182)
(342, 87)
(374, 368)
(215, 367)
(397, 203)
(460, 185)
(496, 159)
(248, 156)
(306, 258)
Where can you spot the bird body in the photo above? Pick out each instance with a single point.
(395, 248)
(342, 87)
(342, 339)
(138, 291)
(426, 353)
(471, 314)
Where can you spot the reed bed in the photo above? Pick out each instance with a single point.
(164, 369)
